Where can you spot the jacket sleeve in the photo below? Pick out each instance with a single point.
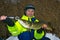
(9, 22)
(39, 35)
(40, 30)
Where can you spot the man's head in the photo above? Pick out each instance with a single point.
(29, 10)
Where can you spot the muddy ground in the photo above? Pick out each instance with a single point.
(48, 10)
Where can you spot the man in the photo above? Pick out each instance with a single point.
(16, 29)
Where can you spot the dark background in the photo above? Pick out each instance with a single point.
(48, 10)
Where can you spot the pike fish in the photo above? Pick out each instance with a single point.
(30, 25)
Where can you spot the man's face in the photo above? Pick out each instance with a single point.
(30, 12)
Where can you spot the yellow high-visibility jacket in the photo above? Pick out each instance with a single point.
(17, 29)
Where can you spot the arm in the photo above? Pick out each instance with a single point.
(6, 20)
(43, 26)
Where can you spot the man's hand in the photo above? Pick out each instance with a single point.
(3, 17)
(44, 26)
